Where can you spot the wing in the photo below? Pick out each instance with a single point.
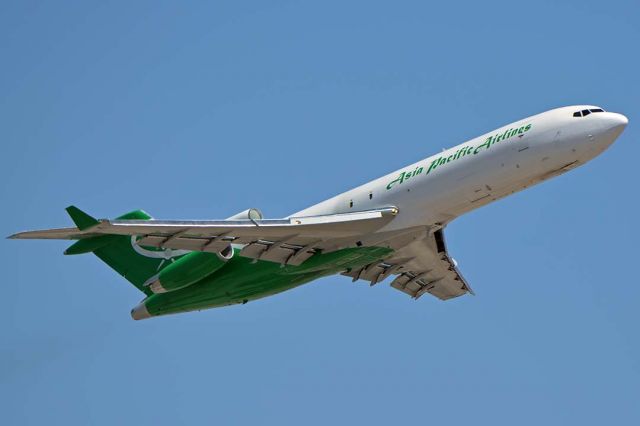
(421, 265)
(287, 241)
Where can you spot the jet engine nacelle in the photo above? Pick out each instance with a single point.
(189, 269)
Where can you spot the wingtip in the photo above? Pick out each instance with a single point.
(19, 236)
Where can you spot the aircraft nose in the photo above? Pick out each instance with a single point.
(611, 124)
(617, 122)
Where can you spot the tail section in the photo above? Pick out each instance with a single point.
(122, 253)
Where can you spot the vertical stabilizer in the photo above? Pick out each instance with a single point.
(121, 252)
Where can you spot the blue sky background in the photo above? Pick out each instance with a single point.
(203, 109)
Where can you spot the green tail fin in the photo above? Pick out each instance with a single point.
(135, 263)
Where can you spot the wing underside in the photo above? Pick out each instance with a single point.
(420, 266)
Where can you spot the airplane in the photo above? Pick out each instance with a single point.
(391, 226)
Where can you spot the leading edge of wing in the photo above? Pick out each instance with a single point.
(329, 225)
(343, 223)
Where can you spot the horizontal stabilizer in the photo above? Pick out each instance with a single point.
(88, 245)
(81, 219)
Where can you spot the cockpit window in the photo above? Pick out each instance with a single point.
(586, 112)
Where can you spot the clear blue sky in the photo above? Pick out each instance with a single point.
(203, 109)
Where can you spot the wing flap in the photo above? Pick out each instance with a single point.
(420, 267)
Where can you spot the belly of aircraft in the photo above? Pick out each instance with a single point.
(242, 280)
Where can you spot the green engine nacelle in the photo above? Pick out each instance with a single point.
(189, 269)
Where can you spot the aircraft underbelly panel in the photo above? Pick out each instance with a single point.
(243, 280)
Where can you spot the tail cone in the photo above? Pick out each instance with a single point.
(140, 312)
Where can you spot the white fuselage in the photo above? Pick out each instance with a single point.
(440, 188)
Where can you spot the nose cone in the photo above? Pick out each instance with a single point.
(609, 125)
(617, 122)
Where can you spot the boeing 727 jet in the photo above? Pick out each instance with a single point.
(392, 226)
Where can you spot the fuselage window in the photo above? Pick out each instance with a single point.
(585, 112)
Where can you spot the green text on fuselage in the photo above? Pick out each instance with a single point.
(461, 152)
